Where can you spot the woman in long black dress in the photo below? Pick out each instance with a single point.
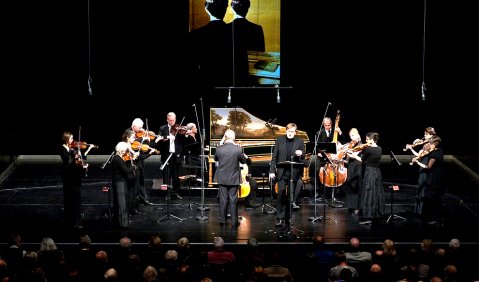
(73, 171)
(371, 195)
(429, 132)
(433, 190)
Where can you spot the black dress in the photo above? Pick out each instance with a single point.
(371, 194)
(353, 184)
(433, 189)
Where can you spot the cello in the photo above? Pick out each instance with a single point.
(334, 173)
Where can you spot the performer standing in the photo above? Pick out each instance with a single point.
(433, 190)
(228, 175)
(175, 139)
(371, 194)
(353, 180)
(429, 132)
(193, 150)
(121, 175)
(132, 199)
(286, 148)
(73, 171)
(137, 127)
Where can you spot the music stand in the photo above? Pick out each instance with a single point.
(265, 208)
(394, 161)
(168, 196)
(289, 192)
(325, 148)
(189, 177)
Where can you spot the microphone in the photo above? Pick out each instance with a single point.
(193, 105)
(274, 120)
(423, 91)
(329, 104)
(90, 92)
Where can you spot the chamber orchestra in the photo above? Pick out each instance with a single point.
(331, 173)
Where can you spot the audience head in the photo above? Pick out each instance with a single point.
(183, 242)
(85, 242)
(111, 275)
(150, 274)
(171, 256)
(101, 257)
(48, 244)
(454, 244)
(154, 241)
(253, 243)
(125, 242)
(318, 241)
(218, 243)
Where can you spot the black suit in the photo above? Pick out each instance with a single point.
(228, 176)
(210, 57)
(283, 173)
(247, 36)
(171, 170)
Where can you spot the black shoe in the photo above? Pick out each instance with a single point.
(278, 222)
(78, 226)
(176, 196)
(295, 206)
(148, 203)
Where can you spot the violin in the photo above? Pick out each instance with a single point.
(359, 147)
(81, 145)
(143, 147)
(144, 133)
(176, 128)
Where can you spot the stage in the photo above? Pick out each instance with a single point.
(31, 200)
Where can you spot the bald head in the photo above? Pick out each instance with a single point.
(354, 242)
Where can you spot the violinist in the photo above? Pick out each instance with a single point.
(428, 198)
(371, 194)
(72, 175)
(141, 195)
(173, 144)
(122, 175)
(353, 180)
(192, 149)
(429, 132)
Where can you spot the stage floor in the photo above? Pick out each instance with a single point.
(31, 202)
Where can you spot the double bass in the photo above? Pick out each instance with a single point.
(334, 173)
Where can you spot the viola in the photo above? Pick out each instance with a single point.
(137, 145)
(176, 128)
(145, 133)
(81, 145)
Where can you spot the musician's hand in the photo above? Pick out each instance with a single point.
(338, 130)
(272, 175)
(298, 152)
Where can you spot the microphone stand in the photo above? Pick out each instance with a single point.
(107, 161)
(168, 196)
(202, 208)
(316, 138)
(108, 188)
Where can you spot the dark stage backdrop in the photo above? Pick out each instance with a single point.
(365, 57)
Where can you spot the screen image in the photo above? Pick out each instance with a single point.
(254, 37)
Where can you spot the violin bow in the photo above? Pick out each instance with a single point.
(79, 150)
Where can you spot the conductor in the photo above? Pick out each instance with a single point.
(286, 148)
